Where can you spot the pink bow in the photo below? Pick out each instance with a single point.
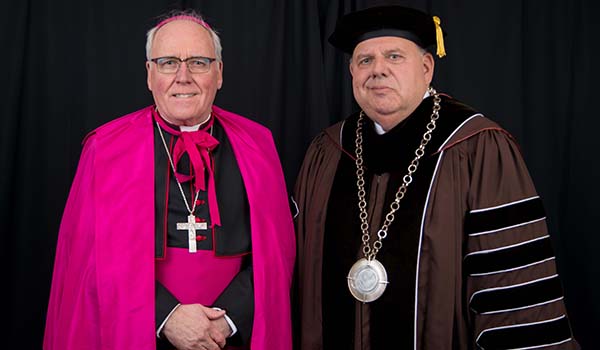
(197, 144)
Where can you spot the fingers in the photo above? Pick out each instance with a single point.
(213, 314)
(218, 337)
(196, 327)
(211, 345)
(219, 329)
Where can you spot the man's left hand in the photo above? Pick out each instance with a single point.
(222, 326)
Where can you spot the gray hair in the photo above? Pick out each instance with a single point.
(191, 13)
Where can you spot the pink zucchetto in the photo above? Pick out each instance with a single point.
(183, 17)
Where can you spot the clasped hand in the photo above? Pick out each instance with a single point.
(196, 327)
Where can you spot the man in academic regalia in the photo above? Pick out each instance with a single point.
(177, 231)
(419, 226)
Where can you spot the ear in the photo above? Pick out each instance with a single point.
(428, 66)
(148, 75)
(220, 76)
(351, 68)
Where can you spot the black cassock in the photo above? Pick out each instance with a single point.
(232, 238)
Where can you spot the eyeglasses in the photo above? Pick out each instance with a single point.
(170, 65)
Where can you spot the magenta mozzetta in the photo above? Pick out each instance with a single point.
(102, 293)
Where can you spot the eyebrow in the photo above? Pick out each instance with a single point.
(394, 50)
(386, 52)
(363, 55)
(171, 56)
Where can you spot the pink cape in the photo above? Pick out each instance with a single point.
(102, 294)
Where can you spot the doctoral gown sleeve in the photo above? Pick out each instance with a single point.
(311, 194)
(72, 321)
(513, 291)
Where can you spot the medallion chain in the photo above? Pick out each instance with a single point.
(371, 252)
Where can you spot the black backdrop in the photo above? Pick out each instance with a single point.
(70, 65)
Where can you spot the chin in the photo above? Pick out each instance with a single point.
(384, 111)
(177, 118)
(185, 113)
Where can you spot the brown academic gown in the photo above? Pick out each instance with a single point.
(483, 275)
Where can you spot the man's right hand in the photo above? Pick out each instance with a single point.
(190, 327)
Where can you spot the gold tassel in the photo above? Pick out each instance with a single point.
(439, 37)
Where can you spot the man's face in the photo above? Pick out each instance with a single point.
(184, 98)
(390, 76)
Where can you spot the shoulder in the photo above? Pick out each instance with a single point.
(320, 161)
(120, 124)
(470, 125)
(327, 140)
(485, 145)
(237, 122)
(246, 136)
(334, 131)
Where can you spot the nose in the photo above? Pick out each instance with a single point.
(379, 67)
(183, 74)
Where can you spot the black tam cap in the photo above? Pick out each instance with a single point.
(404, 22)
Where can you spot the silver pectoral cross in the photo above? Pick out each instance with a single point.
(191, 226)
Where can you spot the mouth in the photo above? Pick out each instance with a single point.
(380, 91)
(378, 88)
(189, 95)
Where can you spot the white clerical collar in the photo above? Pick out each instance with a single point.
(190, 128)
(194, 127)
(379, 129)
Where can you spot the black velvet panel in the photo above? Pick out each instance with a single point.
(394, 150)
(517, 297)
(508, 258)
(525, 336)
(504, 217)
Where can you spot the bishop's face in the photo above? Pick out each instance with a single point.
(184, 98)
(390, 76)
